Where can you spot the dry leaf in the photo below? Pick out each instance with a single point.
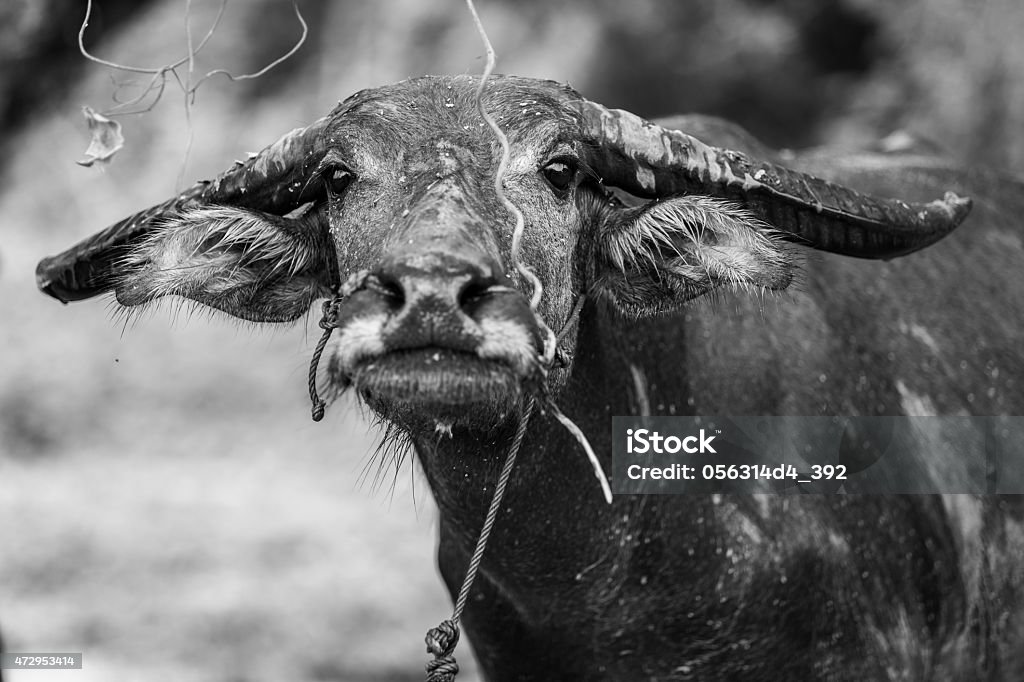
(106, 138)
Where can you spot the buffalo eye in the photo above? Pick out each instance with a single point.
(560, 173)
(337, 179)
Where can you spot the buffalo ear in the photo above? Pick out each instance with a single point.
(253, 265)
(654, 258)
(253, 241)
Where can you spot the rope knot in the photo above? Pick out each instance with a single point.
(441, 640)
(442, 669)
(441, 643)
(329, 319)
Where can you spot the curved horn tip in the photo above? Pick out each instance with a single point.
(957, 205)
(53, 290)
(45, 282)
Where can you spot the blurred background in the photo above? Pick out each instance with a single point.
(166, 505)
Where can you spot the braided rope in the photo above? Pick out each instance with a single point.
(441, 640)
(328, 322)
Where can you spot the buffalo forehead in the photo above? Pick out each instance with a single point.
(435, 122)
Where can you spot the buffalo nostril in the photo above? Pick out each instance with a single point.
(474, 292)
(388, 287)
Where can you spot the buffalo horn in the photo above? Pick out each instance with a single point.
(650, 161)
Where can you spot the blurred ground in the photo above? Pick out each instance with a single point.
(166, 505)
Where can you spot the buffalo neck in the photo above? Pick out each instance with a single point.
(553, 511)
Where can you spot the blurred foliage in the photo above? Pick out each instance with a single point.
(795, 72)
(38, 51)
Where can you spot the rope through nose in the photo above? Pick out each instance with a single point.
(328, 322)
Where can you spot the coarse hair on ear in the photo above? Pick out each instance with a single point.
(654, 258)
(252, 265)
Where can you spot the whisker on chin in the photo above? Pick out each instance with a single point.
(390, 455)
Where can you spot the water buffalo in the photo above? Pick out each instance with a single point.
(394, 194)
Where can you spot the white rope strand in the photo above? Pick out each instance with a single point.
(571, 427)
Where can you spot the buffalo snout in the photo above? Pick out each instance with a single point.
(435, 331)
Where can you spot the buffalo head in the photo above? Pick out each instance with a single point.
(398, 184)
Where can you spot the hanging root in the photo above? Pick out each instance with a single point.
(441, 640)
(550, 342)
(499, 179)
